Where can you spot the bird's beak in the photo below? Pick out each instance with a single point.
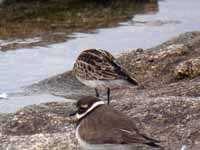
(72, 117)
(72, 114)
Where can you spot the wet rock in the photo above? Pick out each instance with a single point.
(44, 118)
(155, 67)
(4, 118)
(162, 106)
(172, 119)
(65, 85)
(41, 141)
(188, 69)
(39, 127)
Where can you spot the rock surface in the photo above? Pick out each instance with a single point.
(165, 106)
(190, 68)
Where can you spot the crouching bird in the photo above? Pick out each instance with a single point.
(101, 127)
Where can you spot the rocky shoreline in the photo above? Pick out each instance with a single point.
(53, 21)
(166, 104)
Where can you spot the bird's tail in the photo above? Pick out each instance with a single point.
(153, 142)
(131, 80)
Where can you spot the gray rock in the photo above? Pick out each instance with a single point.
(166, 108)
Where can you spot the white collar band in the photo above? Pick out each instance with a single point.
(79, 116)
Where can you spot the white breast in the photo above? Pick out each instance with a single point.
(103, 83)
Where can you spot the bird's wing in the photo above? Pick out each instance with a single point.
(136, 137)
(101, 65)
(110, 68)
(119, 136)
(98, 64)
(112, 127)
(113, 70)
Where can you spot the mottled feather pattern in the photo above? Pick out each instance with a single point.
(95, 64)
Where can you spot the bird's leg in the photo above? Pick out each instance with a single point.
(108, 95)
(97, 93)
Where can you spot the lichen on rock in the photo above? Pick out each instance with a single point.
(188, 69)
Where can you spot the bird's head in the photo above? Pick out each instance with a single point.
(85, 106)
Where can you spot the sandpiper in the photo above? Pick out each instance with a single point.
(101, 127)
(97, 68)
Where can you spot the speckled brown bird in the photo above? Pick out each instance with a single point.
(101, 127)
(98, 69)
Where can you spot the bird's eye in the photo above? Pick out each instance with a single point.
(84, 106)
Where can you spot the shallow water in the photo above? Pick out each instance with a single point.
(26, 66)
(15, 103)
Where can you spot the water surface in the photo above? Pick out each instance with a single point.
(26, 66)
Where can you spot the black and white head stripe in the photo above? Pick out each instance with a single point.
(91, 108)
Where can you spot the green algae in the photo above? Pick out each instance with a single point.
(48, 19)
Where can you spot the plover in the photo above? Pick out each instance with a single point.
(97, 68)
(101, 127)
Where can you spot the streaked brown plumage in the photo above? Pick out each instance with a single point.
(99, 69)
